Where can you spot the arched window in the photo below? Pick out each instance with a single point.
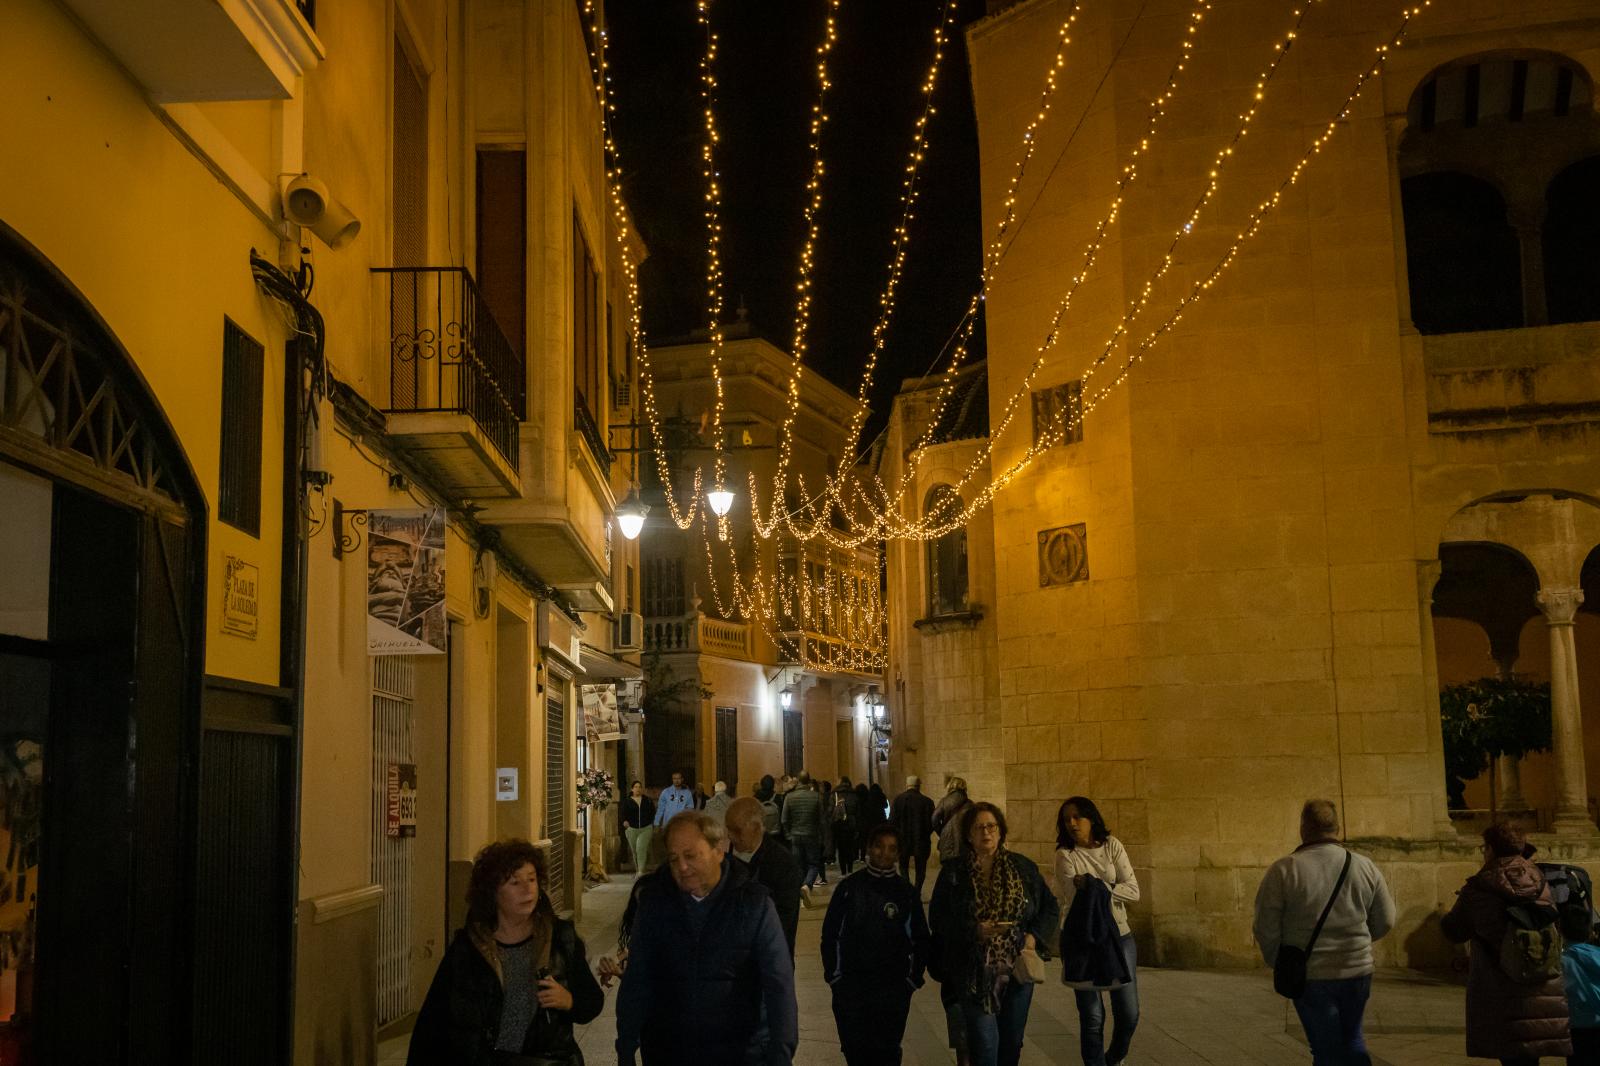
(1571, 238)
(947, 555)
(1462, 256)
(1486, 137)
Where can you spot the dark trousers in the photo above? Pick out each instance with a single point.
(871, 1014)
(921, 859)
(1331, 1013)
(844, 843)
(1585, 1048)
(1124, 1016)
(808, 856)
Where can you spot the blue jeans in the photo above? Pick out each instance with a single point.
(1331, 1013)
(808, 856)
(996, 1039)
(1124, 1015)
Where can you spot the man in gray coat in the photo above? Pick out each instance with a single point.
(802, 827)
(1291, 898)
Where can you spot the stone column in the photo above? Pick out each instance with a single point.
(1529, 224)
(1427, 577)
(1572, 791)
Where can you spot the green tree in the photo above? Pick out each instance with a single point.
(1485, 719)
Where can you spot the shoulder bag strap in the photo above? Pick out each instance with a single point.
(1337, 885)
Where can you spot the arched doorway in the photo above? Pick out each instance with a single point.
(101, 623)
(1510, 605)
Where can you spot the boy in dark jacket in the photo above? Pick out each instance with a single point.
(874, 947)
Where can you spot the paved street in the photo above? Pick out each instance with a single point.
(1189, 1017)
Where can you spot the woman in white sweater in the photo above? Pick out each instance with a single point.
(1085, 848)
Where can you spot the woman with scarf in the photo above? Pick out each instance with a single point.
(989, 906)
(515, 981)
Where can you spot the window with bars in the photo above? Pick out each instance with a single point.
(1058, 406)
(239, 480)
(410, 162)
(663, 587)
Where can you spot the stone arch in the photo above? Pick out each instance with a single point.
(1571, 234)
(1513, 565)
(1512, 120)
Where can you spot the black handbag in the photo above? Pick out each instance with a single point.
(1289, 969)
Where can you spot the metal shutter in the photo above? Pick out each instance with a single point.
(555, 797)
(393, 689)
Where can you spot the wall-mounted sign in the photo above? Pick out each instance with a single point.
(400, 800)
(601, 720)
(241, 602)
(505, 783)
(405, 582)
(1063, 555)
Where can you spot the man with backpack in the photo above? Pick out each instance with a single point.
(1330, 903)
(1516, 998)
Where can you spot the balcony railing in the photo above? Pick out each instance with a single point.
(699, 633)
(584, 419)
(448, 355)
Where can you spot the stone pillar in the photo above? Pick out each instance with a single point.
(1529, 224)
(1427, 577)
(1503, 646)
(1572, 791)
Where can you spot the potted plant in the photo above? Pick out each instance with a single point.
(1485, 719)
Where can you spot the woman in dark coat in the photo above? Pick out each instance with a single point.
(988, 907)
(1506, 1020)
(515, 981)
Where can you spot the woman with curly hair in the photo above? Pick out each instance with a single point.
(1085, 850)
(514, 981)
(989, 906)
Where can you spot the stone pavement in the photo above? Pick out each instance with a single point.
(1188, 1018)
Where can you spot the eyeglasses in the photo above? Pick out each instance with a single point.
(986, 827)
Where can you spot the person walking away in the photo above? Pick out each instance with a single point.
(1581, 980)
(717, 805)
(673, 801)
(1516, 1001)
(638, 825)
(515, 979)
(947, 818)
(708, 979)
(988, 908)
(771, 810)
(770, 862)
(874, 947)
(825, 793)
(844, 819)
(877, 806)
(802, 827)
(1086, 850)
(912, 815)
(1321, 876)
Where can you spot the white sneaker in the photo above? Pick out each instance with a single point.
(805, 896)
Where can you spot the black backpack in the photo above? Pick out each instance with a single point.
(1572, 891)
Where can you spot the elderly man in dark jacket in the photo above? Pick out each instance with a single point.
(709, 979)
(770, 862)
(912, 814)
(802, 827)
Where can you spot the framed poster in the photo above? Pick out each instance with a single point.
(405, 582)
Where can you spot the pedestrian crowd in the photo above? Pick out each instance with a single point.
(705, 955)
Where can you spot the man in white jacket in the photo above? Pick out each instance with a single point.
(1291, 898)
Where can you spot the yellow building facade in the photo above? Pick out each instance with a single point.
(1354, 463)
(314, 326)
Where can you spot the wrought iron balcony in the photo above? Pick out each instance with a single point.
(456, 386)
(590, 430)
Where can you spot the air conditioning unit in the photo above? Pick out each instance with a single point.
(629, 633)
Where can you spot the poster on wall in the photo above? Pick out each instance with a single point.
(405, 582)
(400, 800)
(601, 718)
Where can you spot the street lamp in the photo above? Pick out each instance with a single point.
(786, 697)
(631, 513)
(721, 500)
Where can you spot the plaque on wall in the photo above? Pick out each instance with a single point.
(241, 604)
(1063, 555)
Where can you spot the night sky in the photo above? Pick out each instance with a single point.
(767, 81)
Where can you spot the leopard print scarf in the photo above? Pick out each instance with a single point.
(999, 897)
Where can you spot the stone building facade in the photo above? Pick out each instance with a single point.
(1221, 599)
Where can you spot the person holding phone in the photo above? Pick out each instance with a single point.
(989, 908)
(514, 981)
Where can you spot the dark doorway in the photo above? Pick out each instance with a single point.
(1571, 237)
(794, 742)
